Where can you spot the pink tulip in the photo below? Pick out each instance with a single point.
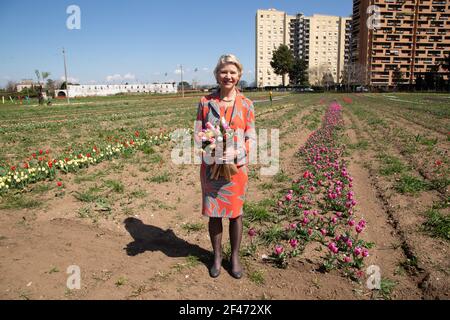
(333, 248)
(293, 243)
(359, 229)
(365, 253)
(351, 223)
(323, 232)
(278, 250)
(251, 232)
(357, 251)
(349, 243)
(347, 259)
(288, 197)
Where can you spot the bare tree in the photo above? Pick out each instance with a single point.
(316, 74)
(11, 87)
(354, 74)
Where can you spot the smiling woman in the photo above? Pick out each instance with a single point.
(222, 197)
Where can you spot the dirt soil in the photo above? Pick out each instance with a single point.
(143, 252)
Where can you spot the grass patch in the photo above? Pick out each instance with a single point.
(386, 288)
(165, 177)
(257, 277)
(411, 185)
(375, 122)
(274, 234)
(89, 177)
(281, 177)
(41, 188)
(89, 195)
(19, 201)
(193, 227)
(53, 270)
(266, 186)
(162, 205)
(121, 281)
(437, 224)
(257, 212)
(191, 261)
(115, 185)
(440, 184)
(425, 141)
(146, 149)
(156, 158)
(138, 194)
(84, 212)
(391, 165)
(360, 145)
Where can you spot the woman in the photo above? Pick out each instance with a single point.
(223, 198)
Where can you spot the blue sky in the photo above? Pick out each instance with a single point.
(136, 40)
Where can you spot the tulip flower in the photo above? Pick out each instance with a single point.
(278, 250)
(293, 243)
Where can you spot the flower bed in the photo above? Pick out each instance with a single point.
(321, 205)
(41, 165)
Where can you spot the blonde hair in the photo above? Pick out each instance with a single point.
(225, 59)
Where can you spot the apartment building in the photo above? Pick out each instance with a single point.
(272, 30)
(323, 41)
(413, 35)
(328, 38)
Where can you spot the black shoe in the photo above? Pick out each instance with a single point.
(236, 275)
(214, 272)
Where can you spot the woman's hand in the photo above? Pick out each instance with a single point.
(230, 155)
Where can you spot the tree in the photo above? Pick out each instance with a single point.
(186, 85)
(446, 63)
(327, 80)
(354, 74)
(298, 75)
(419, 83)
(430, 77)
(446, 66)
(51, 85)
(397, 77)
(282, 61)
(243, 84)
(11, 87)
(41, 76)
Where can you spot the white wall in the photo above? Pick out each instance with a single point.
(112, 89)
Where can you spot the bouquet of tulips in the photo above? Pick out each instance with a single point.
(212, 137)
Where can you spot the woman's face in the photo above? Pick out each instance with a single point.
(228, 76)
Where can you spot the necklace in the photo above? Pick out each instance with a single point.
(229, 100)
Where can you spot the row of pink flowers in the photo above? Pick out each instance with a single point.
(322, 204)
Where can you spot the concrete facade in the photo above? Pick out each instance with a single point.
(413, 35)
(107, 90)
(322, 41)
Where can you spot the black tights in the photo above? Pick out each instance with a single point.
(215, 233)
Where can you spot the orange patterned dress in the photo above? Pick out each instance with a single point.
(222, 198)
